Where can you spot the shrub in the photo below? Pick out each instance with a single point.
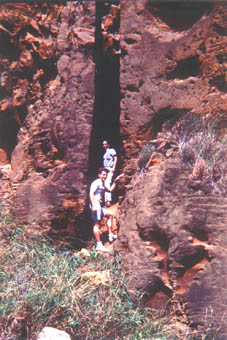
(145, 155)
(203, 148)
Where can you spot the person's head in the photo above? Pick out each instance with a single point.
(105, 144)
(102, 174)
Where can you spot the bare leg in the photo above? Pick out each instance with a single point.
(96, 232)
(109, 223)
(108, 195)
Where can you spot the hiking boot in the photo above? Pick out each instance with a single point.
(101, 247)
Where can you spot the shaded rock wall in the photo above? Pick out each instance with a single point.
(53, 94)
(172, 62)
(50, 160)
(28, 62)
(172, 242)
(172, 235)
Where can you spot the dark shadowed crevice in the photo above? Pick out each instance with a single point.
(153, 233)
(220, 30)
(48, 67)
(189, 260)
(9, 50)
(164, 115)
(106, 114)
(179, 15)
(185, 68)
(8, 132)
(106, 118)
(220, 58)
(219, 82)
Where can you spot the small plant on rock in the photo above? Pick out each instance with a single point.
(203, 149)
(145, 155)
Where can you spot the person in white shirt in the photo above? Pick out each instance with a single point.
(97, 192)
(110, 163)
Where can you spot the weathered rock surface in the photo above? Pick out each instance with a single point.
(28, 56)
(172, 62)
(172, 242)
(172, 228)
(50, 160)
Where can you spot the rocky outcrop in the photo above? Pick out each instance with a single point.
(50, 160)
(172, 62)
(171, 224)
(57, 110)
(172, 242)
(60, 95)
(28, 62)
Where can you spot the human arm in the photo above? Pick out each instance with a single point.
(115, 163)
(112, 187)
(93, 189)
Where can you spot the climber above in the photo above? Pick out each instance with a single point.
(97, 192)
(110, 163)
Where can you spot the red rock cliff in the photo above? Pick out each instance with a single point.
(58, 94)
(172, 62)
(48, 97)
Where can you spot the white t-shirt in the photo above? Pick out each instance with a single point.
(108, 158)
(98, 188)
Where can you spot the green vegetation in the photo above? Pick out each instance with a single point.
(145, 155)
(200, 146)
(204, 148)
(43, 285)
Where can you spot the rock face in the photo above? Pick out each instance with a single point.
(60, 90)
(52, 103)
(172, 232)
(172, 62)
(172, 242)
(50, 160)
(28, 57)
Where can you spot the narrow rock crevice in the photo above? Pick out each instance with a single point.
(9, 128)
(106, 118)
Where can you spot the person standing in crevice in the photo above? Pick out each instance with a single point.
(109, 163)
(96, 195)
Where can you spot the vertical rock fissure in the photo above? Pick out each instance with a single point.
(106, 123)
(9, 128)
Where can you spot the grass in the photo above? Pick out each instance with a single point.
(201, 145)
(43, 284)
